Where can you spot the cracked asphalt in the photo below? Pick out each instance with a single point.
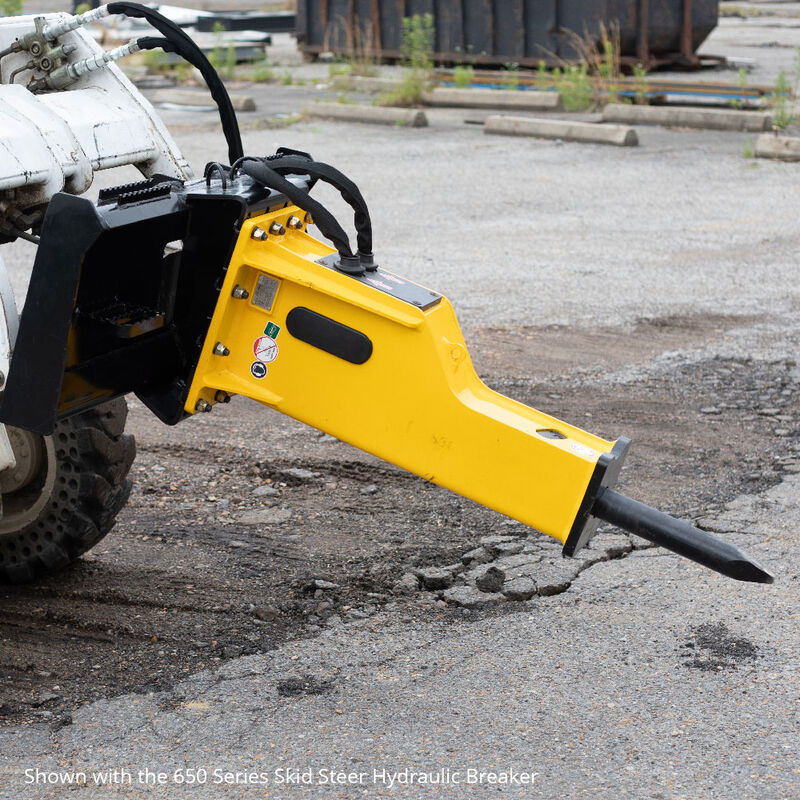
(242, 625)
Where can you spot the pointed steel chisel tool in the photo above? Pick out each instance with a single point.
(678, 536)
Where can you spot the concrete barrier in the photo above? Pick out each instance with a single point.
(379, 115)
(518, 100)
(718, 119)
(190, 97)
(619, 135)
(357, 83)
(785, 148)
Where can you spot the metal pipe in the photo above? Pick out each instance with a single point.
(643, 44)
(687, 51)
(678, 536)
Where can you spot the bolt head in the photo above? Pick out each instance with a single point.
(240, 293)
(294, 222)
(202, 405)
(259, 234)
(277, 229)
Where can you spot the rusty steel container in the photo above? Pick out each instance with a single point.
(500, 32)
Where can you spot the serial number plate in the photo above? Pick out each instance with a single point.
(264, 295)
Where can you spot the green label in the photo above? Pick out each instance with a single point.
(272, 330)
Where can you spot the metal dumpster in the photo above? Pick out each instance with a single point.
(525, 32)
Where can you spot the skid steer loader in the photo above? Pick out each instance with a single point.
(187, 291)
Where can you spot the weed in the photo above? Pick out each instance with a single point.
(183, 71)
(230, 61)
(780, 102)
(338, 68)
(463, 76)
(364, 61)
(595, 77)
(418, 38)
(577, 92)
(222, 58)
(262, 72)
(512, 76)
(742, 80)
(748, 151)
(155, 60)
(542, 79)
(640, 84)
(287, 79)
(609, 68)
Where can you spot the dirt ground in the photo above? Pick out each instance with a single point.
(235, 515)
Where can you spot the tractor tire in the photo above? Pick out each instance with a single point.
(65, 493)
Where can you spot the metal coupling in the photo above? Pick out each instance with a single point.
(295, 223)
(259, 234)
(56, 29)
(202, 405)
(221, 350)
(69, 73)
(240, 293)
(277, 229)
(222, 397)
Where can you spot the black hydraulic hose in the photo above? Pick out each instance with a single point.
(346, 187)
(324, 220)
(176, 40)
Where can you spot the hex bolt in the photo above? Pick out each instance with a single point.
(222, 397)
(221, 350)
(309, 220)
(259, 234)
(294, 222)
(277, 229)
(202, 405)
(240, 293)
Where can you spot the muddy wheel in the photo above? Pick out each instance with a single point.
(65, 492)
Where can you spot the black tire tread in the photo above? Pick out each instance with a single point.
(93, 456)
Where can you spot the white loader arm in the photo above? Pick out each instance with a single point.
(54, 141)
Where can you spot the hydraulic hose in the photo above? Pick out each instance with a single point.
(351, 194)
(177, 41)
(257, 169)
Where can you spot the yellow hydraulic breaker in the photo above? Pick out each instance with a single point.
(188, 293)
(381, 363)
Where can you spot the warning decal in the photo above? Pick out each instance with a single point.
(265, 349)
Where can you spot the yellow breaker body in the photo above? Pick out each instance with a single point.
(415, 401)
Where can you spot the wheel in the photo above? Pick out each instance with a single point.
(65, 492)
